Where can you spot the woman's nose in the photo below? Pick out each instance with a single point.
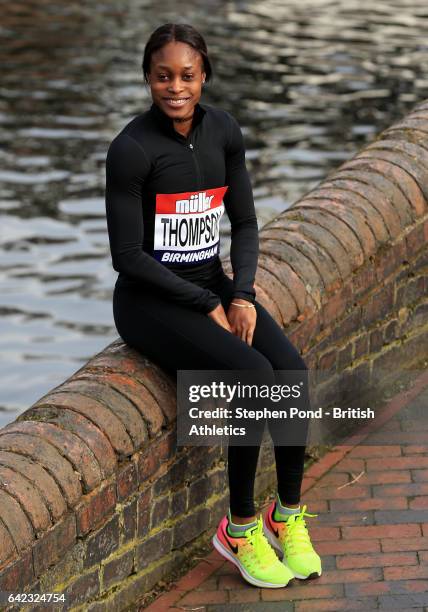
(175, 84)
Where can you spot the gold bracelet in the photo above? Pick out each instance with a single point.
(242, 305)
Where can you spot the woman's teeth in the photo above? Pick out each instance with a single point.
(179, 102)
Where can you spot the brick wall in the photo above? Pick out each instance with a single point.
(95, 500)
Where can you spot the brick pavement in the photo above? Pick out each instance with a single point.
(372, 533)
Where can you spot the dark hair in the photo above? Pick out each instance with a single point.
(175, 32)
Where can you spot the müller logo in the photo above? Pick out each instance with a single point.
(196, 203)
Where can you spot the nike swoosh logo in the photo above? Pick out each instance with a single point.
(233, 548)
(276, 532)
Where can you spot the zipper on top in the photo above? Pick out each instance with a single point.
(195, 160)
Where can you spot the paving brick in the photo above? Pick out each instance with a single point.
(204, 570)
(376, 560)
(365, 451)
(352, 492)
(165, 602)
(324, 464)
(210, 584)
(233, 581)
(198, 598)
(397, 463)
(244, 596)
(345, 576)
(344, 518)
(401, 602)
(411, 489)
(414, 449)
(334, 478)
(381, 531)
(423, 556)
(324, 533)
(408, 586)
(345, 547)
(400, 516)
(406, 573)
(404, 544)
(367, 588)
(320, 605)
(318, 505)
(271, 606)
(306, 591)
(391, 476)
(372, 503)
(419, 475)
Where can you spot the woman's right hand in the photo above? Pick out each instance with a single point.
(219, 316)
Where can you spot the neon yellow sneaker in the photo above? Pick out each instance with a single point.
(253, 556)
(291, 539)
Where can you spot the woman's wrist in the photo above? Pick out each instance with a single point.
(244, 297)
(240, 305)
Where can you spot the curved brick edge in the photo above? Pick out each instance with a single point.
(95, 499)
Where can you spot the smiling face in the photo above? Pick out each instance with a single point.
(175, 78)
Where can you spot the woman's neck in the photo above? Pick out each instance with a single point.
(183, 126)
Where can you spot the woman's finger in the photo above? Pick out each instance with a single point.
(250, 335)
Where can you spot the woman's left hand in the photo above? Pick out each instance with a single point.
(242, 320)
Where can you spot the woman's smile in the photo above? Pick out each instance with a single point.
(176, 102)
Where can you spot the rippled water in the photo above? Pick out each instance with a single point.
(310, 82)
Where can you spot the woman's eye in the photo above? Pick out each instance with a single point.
(164, 77)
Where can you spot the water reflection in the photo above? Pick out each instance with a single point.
(310, 82)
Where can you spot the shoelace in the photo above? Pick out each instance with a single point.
(297, 532)
(262, 548)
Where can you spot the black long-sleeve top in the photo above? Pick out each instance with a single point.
(165, 195)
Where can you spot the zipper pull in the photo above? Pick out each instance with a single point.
(191, 146)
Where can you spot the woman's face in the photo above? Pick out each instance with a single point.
(175, 79)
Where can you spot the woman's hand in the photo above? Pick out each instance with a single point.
(219, 316)
(242, 320)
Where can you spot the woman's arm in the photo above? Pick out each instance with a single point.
(239, 205)
(127, 167)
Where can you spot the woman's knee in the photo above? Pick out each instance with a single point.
(255, 367)
(251, 359)
(291, 360)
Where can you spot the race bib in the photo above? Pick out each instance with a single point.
(187, 226)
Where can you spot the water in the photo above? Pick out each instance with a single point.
(310, 82)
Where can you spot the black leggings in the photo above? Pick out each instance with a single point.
(179, 338)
